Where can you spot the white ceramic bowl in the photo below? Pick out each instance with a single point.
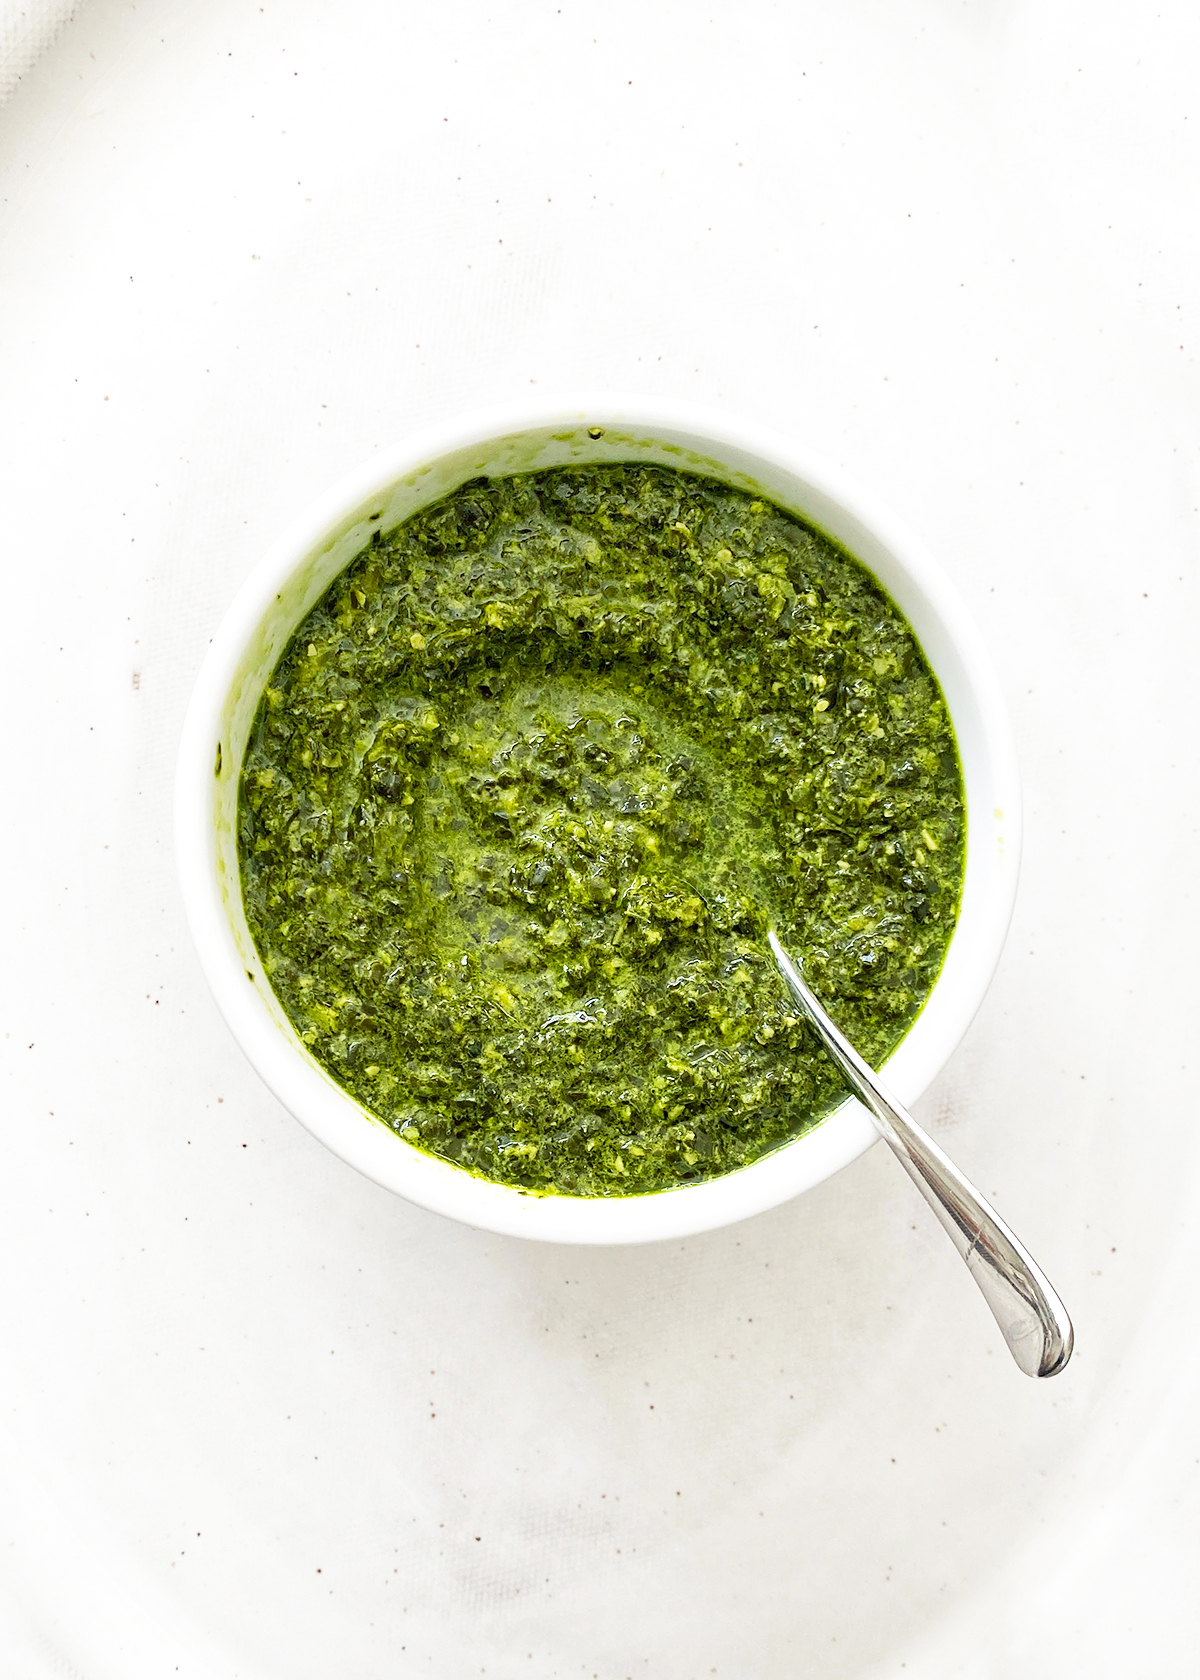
(297, 570)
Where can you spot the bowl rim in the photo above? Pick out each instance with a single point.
(328, 1111)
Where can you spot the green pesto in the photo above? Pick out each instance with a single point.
(530, 784)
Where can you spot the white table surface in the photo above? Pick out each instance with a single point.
(260, 1419)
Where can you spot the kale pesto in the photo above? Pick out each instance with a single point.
(527, 789)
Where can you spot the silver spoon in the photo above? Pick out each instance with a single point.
(1032, 1319)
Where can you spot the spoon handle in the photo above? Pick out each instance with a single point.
(1032, 1319)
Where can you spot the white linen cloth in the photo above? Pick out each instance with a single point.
(28, 28)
